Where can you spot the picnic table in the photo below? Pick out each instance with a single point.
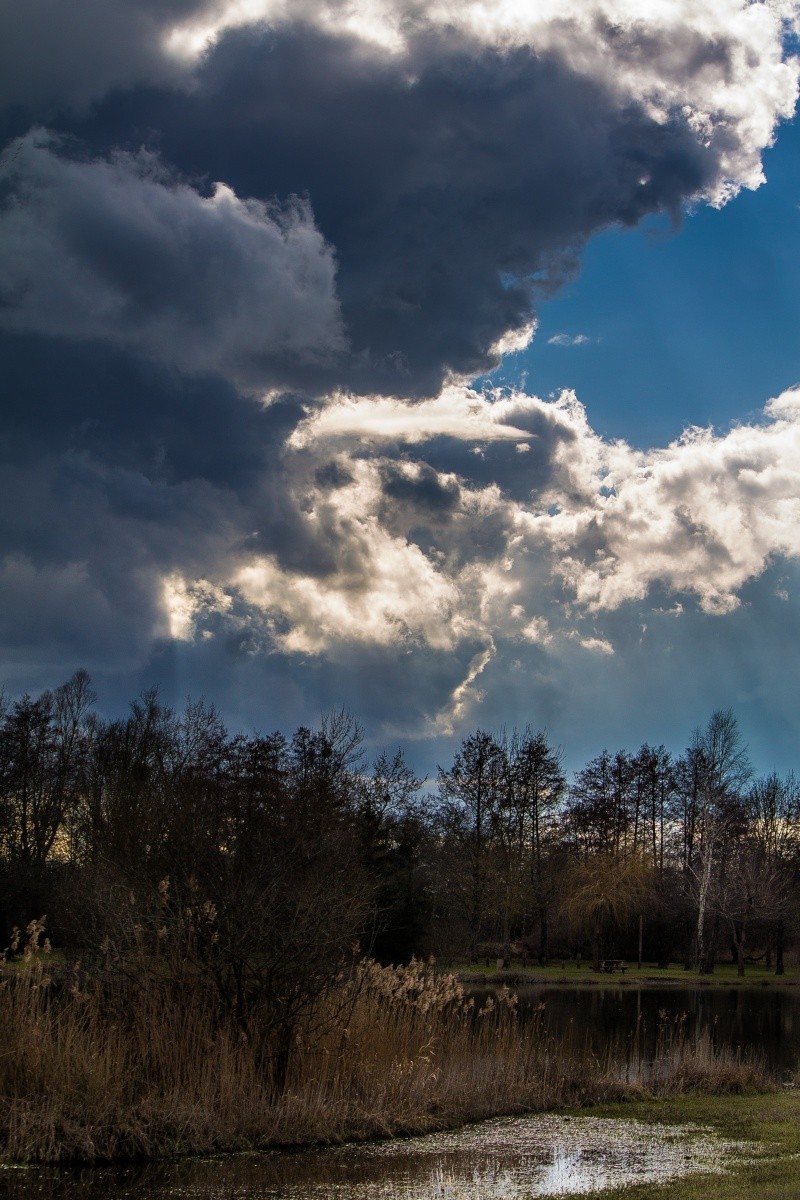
(610, 965)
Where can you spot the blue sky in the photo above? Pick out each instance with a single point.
(697, 326)
(268, 435)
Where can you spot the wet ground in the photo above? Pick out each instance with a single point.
(505, 1159)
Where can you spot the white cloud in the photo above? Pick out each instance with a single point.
(400, 597)
(187, 603)
(458, 412)
(702, 516)
(382, 590)
(699, 517)
(455, 713)
(599, 645)
(515, 340)
(537, 630)
(568, 339)
(420, 557)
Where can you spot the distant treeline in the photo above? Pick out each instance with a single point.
(270, 862)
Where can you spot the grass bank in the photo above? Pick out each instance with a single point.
(649, 975)
(91, 1074)
(771, 1121)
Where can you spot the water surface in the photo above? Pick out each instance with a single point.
(505, 1159)
(621, 1020)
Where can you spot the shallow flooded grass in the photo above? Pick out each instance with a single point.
(508, 1159)
(768, 1124)
(556, 1155)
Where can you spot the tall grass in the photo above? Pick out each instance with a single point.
(91, 1072)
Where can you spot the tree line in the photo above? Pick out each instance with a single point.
(675, 858)
(265, 864)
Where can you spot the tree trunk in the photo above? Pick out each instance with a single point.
(779, 968)
(711, 954)
(702, 899)
(596, 944)
(738, 941)
(543, 936)
(280, 1060)
(507, 922)
(506, 949)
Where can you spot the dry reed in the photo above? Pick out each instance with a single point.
(90, 1074)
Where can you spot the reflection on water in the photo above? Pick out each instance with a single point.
(614, 1020)
(509, 1159)
(569, 1174)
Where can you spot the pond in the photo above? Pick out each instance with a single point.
(612, 1019)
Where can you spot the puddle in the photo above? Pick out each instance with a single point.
(548, 1155)
(506, 1159)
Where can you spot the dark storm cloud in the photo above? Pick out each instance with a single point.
(421, 490)
(446, 178)
(403, 695)
(523, 470)
(332, 475)
(120, 250)
(89, 399)
(456, 178)
(115, 473)
(56, 56)
(200, 470)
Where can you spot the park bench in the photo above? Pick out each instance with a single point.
(610, 965)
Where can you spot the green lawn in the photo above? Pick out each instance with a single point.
(772, 1122)
(569, 974)
(16, 965)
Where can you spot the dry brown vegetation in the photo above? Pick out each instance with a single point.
(91, 1072)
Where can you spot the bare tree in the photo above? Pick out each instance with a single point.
(42, 760)
(773, 828)
(469, 794)
(719, 772)
(598, 806)
(394, 830)
(539, 784)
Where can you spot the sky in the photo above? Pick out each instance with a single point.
(433, 360)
